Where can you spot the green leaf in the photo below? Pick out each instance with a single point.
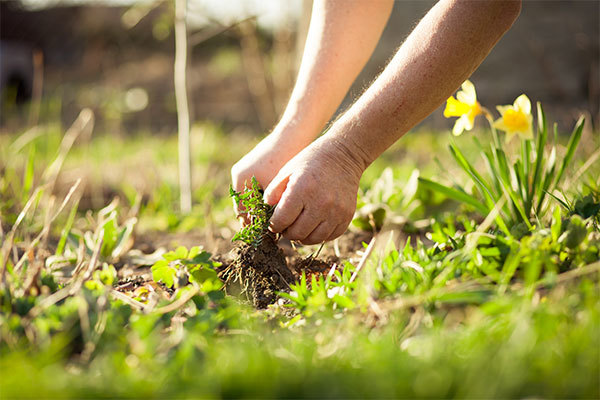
(560, 201)
(556, 227)
(571, 147)
(29, 174)
(343, 301)
(466, 297)
(201, 274)
(109, 238)
(455, 194)
(472, 172)
(66, 229)
(163, 272)
(541, 138)
(181, 253)
(194, 251)
(511, 264)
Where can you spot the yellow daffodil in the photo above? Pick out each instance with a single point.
(516, 119)
(465, 106)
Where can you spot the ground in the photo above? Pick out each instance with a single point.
(423, 296)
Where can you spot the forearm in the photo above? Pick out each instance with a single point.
(442, 51)
(340, 41)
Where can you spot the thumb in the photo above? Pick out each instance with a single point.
(275, 190)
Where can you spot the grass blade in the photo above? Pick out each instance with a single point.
(455, 194)
(67, 228)
(571, 147)
(475, 176)
(542, 136)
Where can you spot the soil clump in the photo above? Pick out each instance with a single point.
(258, 272)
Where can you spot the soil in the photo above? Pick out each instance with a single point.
(258, 272)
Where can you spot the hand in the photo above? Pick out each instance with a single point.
(263, 162)
(315, 193)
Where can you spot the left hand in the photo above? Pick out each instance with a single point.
(315, 193)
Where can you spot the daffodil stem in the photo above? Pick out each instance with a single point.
(490, 120)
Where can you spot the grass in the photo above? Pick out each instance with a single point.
(441, 304)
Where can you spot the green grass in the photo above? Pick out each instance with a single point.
(462, 310)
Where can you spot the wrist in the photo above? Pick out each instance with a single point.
(346, 154)
(301, 122)
(292, 136)
(347, 140)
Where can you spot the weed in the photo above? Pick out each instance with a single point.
(252, 204)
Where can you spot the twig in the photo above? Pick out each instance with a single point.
(126, 299)
(48, 301)
(181, 100)
(202, 36)
(179, 302)
(315, 255)
(47, 224)
(593, 158)
(363, 260)
(38, 84)
(85, 120)
(25, 138)
(572, 274)
(92, 264)
(8, 243)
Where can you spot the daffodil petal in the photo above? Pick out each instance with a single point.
(459, 127)
(522, 103)
(467, 94)
(455, 108)
(468, 121)
(509, 136)
(503, 109)
(499, 124)
(528, 134)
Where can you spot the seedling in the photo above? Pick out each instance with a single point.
(252, 204)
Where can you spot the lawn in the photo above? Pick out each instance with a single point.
(471, 269)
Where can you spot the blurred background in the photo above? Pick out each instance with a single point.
(116, 57)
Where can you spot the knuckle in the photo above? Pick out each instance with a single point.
(311, 240)
(338, 231)
(296, 233)
(275, 225)
(327, 199)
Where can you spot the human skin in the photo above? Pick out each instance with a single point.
(333, 57)
(315, 191)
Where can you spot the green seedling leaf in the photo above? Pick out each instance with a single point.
(259, 213)
(343, 301)
(180, 252)
(163, 272)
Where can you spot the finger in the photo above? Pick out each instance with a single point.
(338, 231)
(286, 212)
(302, 226)
(320, 234)
(275, 190)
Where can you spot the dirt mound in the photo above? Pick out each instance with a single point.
(258, 272)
